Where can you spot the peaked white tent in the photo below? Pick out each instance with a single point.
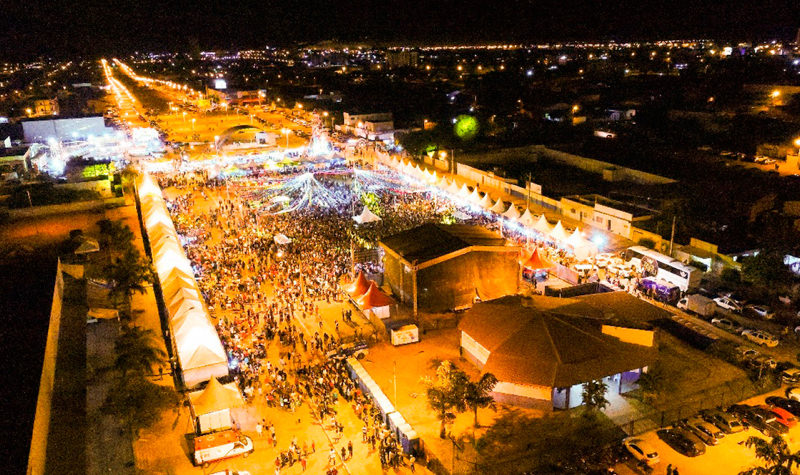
(475, 197)
(575, 239)
(499, 207)
(527, 219)
(542, 225)
(512, 212)
(464, 192)
(558, 233)
(366, 216)
(486, 201)
(453, 189)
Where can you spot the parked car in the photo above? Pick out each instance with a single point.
(790, 405)
(746, 353)
(729, 304)
(793, 393)
(763, 420)
(761, 311)
(791, 376)
(728, 423)
(682, 441)
(782, 415)
(727, 324)
(762, 362)
(708, 433)
(641, 450)
(760, 337)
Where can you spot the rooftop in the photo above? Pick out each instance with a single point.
(546, 348)
(431, 241)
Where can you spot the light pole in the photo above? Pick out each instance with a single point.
(285, 132)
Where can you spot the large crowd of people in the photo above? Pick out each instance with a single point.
(258, 289)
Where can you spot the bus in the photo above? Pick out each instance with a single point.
(654, 264)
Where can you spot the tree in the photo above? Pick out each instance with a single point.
(476, 394)
(766, 269)
(137, 402)
(115, 235)
(446, 392)
(137, 352)
(594, 395)
(778, 459)
(130, 274)
(731, 276)
(653, 382)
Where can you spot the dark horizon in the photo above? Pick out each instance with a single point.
(64, 29)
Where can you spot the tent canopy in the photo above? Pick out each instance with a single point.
(558, 233)
(512, 212)
(216, 397)
(281, 239)
(537, 262)
(374, 298)
(87, 246)
(486, 201)
(359, 286)
(542, 225)
(366, 216)
(527, 219)
(499, 207)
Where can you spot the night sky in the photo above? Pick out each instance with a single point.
(59, 28)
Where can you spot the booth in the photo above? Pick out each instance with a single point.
(405, 335)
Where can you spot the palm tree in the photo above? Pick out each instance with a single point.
(130, 274)
(476, 394)
(778, 459)
(137, 351)
(594, 395)
(447, 392)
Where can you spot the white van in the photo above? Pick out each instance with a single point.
(221, 445)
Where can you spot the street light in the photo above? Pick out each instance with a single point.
(193, 121)
(184, 117)
(286, 132)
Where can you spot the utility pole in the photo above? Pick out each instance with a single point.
(528, 186)
(672, 236)
(394, 381)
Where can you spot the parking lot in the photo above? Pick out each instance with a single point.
(730, 456)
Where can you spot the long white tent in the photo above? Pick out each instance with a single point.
(196, 342)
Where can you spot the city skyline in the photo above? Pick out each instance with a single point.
(62, 29)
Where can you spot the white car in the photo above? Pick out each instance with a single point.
(641, 450)
(728, 304)
(761, 310)
(793, 393)
(760, 337)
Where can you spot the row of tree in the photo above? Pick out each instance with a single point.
(132, 398)
(452, 390)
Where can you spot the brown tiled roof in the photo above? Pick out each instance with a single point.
(530, 346)
(430, 241)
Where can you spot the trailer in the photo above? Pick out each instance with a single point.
(699, 304)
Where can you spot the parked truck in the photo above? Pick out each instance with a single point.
(699, 304)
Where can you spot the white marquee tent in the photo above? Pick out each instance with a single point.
(201, 355)
(366, 216)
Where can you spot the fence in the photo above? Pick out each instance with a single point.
(725, 394)
(37, 457)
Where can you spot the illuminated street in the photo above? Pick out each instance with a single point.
(493, 238)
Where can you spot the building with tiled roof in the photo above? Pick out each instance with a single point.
(542, 355)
